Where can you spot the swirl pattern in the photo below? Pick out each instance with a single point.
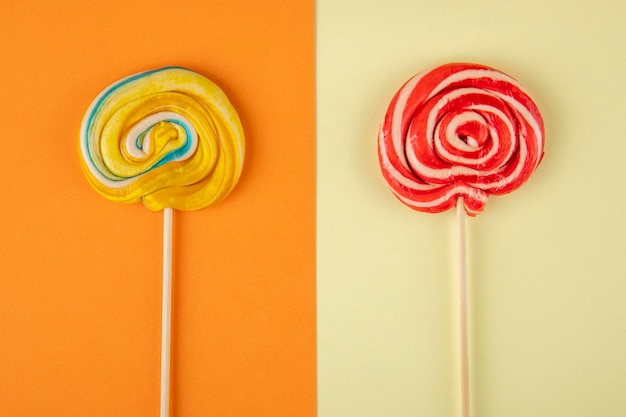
(459, 130)
(167, 137)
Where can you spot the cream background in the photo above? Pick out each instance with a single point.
(547, 271)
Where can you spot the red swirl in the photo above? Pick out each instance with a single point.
(459, 130)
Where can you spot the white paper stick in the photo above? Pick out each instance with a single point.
(465, 380)
(166, 312)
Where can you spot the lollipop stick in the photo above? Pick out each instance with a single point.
(166, 312)
(460, 215)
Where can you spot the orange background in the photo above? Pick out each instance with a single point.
(80, 276)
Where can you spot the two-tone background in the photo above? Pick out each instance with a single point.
(311, 290)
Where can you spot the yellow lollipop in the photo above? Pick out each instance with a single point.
(167, 137)
(171, 139)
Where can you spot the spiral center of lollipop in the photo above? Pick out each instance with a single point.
(157, 137)
(473, 133)
(165, 132)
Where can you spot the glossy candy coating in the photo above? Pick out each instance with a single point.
(459, 130)
(167, 137)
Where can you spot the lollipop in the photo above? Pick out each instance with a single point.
(454, 135)
(170, 139)
(459, 130)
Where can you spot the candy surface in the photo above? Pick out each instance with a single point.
(459, 130)
(167, 137)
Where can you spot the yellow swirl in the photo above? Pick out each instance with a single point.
(167, 137)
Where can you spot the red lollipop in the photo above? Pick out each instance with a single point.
(459, 130)
(454, 135)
